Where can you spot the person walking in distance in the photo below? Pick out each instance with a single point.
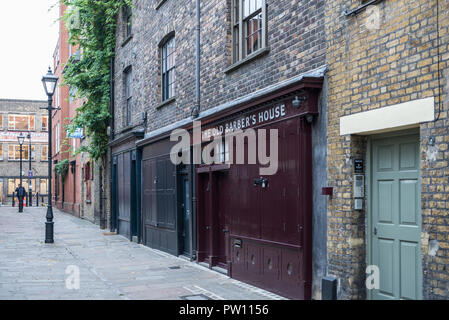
(20, 195)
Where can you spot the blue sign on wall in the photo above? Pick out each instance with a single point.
(78, 134)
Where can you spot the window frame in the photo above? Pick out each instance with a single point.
(45, 129)
(16, 181)
(29, 116)
(42, 152)
(127, 22)
(57, 138)
(41, 180)
(165, 75)
(57, 97)
(25, 148)
(240, 23)
(128, 94)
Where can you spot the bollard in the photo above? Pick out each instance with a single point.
(13, 200)
(37, 199)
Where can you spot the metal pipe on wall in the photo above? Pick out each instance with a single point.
(196, 108)
(195, 114)
(112, 225)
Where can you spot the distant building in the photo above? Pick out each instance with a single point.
(26, 117)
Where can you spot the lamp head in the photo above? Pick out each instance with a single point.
(49, 81)
(21, 138)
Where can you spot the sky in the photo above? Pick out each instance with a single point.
(28, 37)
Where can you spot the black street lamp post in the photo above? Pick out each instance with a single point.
(30, 187)
(49, 81)
(21, 139)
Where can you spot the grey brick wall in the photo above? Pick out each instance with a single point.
(295, 40)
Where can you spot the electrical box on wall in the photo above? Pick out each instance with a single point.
(358, 204)
(359, 191)
(359, 186)
(329, 288)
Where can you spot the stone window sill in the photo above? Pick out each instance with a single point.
(259, 53)
(164, 103)
(160, 3)
(17, 130)
(127, 40)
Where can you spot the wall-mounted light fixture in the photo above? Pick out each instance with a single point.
(298, 101)
(307, 102)
(309, 118)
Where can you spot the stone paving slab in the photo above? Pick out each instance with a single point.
(110, 266)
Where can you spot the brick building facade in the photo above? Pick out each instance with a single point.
(78, 192)
(23, 117)
(356, 87)
(387, 101)
(282, 61)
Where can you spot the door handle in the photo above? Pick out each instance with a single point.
(261, 182)
(375, 231)
(225, 230)
(207, 227)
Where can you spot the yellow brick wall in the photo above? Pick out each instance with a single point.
(370, 69)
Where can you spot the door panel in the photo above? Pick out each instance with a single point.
(186, 215)
(223, 199)
(408, 206)
(386, 266)
(409, 268)
(159, 204)
(124, 194)
(385, 202)
(396, 217)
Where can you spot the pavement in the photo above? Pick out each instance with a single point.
(86, 263)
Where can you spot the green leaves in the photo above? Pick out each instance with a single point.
(62, 168)
(92, 26)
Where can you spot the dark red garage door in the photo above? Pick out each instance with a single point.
(263, 235)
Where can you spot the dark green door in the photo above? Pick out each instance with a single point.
(396, 217)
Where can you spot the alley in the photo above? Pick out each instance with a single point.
(110, 266)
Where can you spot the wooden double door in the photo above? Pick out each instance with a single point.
(213, 220)
(260, 231)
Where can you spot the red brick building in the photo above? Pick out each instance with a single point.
(67, 194)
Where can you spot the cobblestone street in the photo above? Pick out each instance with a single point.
(111, 267)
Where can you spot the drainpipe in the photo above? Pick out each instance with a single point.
(196, 108)
(112, 225)
(193, 236)
(195, 114)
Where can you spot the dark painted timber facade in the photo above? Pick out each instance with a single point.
(262, 234)
(219, 214)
